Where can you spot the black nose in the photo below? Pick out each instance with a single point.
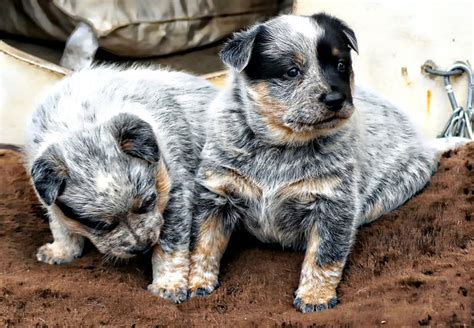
(139, 250)
(333, 100)
(136, 251)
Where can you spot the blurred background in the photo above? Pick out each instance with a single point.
(184, 34)
(41, 41)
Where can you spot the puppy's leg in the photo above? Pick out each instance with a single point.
(211, 241)
(326, 252)
(170, 259)
(67, 245)
(170, 272)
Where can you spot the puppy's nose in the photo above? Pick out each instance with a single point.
(333, 100)
(139, 250)
(136, 251)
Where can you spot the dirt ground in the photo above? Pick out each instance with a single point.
(412, 267)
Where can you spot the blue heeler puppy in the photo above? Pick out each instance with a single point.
(298, 156)
(112, 156)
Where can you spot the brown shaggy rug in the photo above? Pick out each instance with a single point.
(415, 266)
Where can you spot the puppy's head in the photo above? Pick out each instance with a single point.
(297, 71)
(108, 184)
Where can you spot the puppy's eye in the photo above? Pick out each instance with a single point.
(341, 67)
(293, 72)
(146, 205)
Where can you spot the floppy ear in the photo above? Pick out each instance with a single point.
(48, 174)
(135, 137)
(351, 38)
(237, 51)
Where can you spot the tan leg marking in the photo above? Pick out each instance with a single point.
(231, 182)
(308, 189)
(317, 283)
(170, 274)
(163, 186)
(206, 257)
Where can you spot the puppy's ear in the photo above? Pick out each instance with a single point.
(335, 23)
(48, 174)
(351, 38)
(237, 51)
(135, 137)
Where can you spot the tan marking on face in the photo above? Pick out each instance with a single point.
(318, 283)
(126, 145)
(163, 186)
(300, 58)
(206, 256)
(335, 52)
(170, 270)
(308, 189)
(273, 111)
(232, 182)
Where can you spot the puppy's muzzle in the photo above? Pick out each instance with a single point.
(333, 100)
(140, 250)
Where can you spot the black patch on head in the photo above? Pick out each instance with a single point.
(48, 173)
(261, 66)
(338, 29)
(245, 53)
(334, 48)
(135, 137)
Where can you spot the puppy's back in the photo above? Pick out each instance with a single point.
(91, 97)
(395, 161)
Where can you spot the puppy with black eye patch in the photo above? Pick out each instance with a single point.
(299, 156)
(112, 155)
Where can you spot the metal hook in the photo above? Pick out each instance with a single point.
(459, 123)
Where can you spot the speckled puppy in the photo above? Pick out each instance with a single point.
(297, 156)
(112, 156)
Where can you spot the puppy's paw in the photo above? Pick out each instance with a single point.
(202, 291)
(56, 253)
(202, 287)
(317, 306)
(174, 294)
(315, 299)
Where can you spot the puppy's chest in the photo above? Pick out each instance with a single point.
(273, 209)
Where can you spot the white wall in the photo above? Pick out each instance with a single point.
(396, 38)
(23, 80)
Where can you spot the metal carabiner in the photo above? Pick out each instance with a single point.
(459, 123)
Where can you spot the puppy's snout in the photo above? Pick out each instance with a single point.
(139, 250)
(333, 100)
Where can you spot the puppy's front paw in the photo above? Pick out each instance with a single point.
(314, 304)
(56, 253)
(174, 294)
(202, 285)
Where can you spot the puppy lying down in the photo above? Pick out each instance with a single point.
(298, 156)
(112, 156)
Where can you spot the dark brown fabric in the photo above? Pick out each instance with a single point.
(412, 267)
